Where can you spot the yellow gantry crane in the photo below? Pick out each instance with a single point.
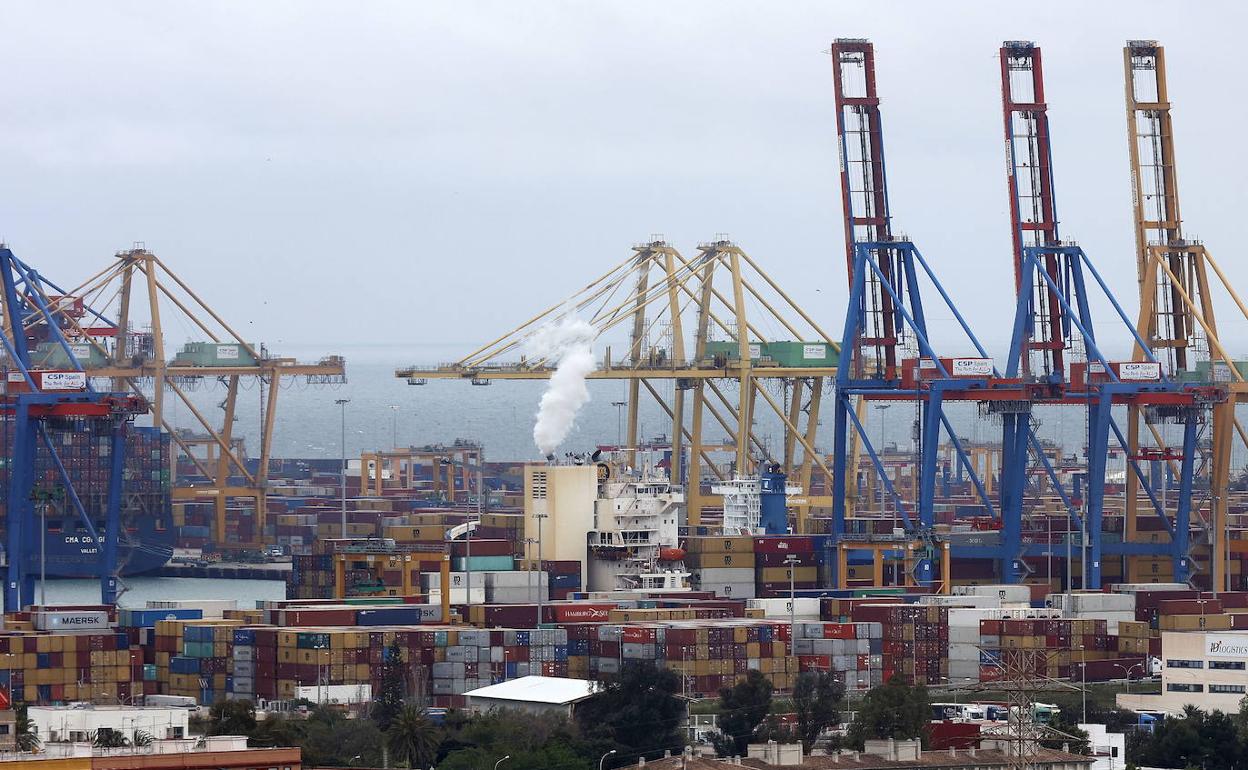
(1177, 304)
(138, 283)
(718, 376)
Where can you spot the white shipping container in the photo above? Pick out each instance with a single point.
(212, 608)
(70, 620)
(940, 600)
(1135, 588)
(513, 578)
(1006, 593)
(459, 595)
(1093, 601)
(802, 607)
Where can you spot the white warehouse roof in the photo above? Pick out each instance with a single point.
(538, 689)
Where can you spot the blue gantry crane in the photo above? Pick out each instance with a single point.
(38, 402)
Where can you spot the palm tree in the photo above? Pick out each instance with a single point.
(412, 737)
(108, 738)
(141, 738)
(27, 734)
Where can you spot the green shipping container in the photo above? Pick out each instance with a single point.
(214, 354)
(51, 355)
(483, 563)
(731, 351)
(802, 353)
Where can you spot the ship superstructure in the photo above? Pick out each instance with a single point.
(635, 540)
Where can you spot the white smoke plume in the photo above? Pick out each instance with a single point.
(569, 345)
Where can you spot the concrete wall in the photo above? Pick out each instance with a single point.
(568, 502)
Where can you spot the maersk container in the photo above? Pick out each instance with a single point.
(215, 354)
(395, 615)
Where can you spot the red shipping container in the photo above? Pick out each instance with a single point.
(784, 544)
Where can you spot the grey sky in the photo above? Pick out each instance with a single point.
(335, 173)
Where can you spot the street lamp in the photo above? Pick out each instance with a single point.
(604, 758)
(342, 402)
(1126, 672)
(619, 422)
(791, 561)
(501, 761)
(882, 408)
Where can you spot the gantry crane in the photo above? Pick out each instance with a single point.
(1054, 325)
(138, 283)
(886, 354)
(1176, 301)
(39, 402)
(717, 375)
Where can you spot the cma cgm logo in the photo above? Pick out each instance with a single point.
(1222, 647)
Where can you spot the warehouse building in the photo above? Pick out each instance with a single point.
(1199, 668)
(533, 694)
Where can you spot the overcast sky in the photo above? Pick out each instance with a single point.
(407, 173)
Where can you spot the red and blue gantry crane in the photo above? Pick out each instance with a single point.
(1054, 325)
(886, 353)
(37, 403)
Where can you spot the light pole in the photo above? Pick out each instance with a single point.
(604, 758)
(881, 408)
(540, 570)
(791, 561)
(619, 421)
(342, 402)
(1126, 672)
(501, 761)
(394, 426)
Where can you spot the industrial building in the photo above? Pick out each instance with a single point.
(1199, 668)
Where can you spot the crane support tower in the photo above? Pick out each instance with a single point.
(1057, 284)
(37, 402)
(1177, 303)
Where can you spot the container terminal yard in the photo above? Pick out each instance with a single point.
(712, 551)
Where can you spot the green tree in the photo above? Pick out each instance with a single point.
(393, 690)
(232, 717)
(816, 697)
(534, 742)
(329, 738)
(743, 707)
(1211, 741)
(639, 710)
(895, 710)
(27, 735)
(412, 737)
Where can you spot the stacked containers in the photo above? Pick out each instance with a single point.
(915, 640)
(724, 565)
(853, 651)
(709, 655)
(772, 577)
(46, 668)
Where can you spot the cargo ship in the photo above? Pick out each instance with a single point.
(147, 537)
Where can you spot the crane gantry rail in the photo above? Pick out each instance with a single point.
(710, 314)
